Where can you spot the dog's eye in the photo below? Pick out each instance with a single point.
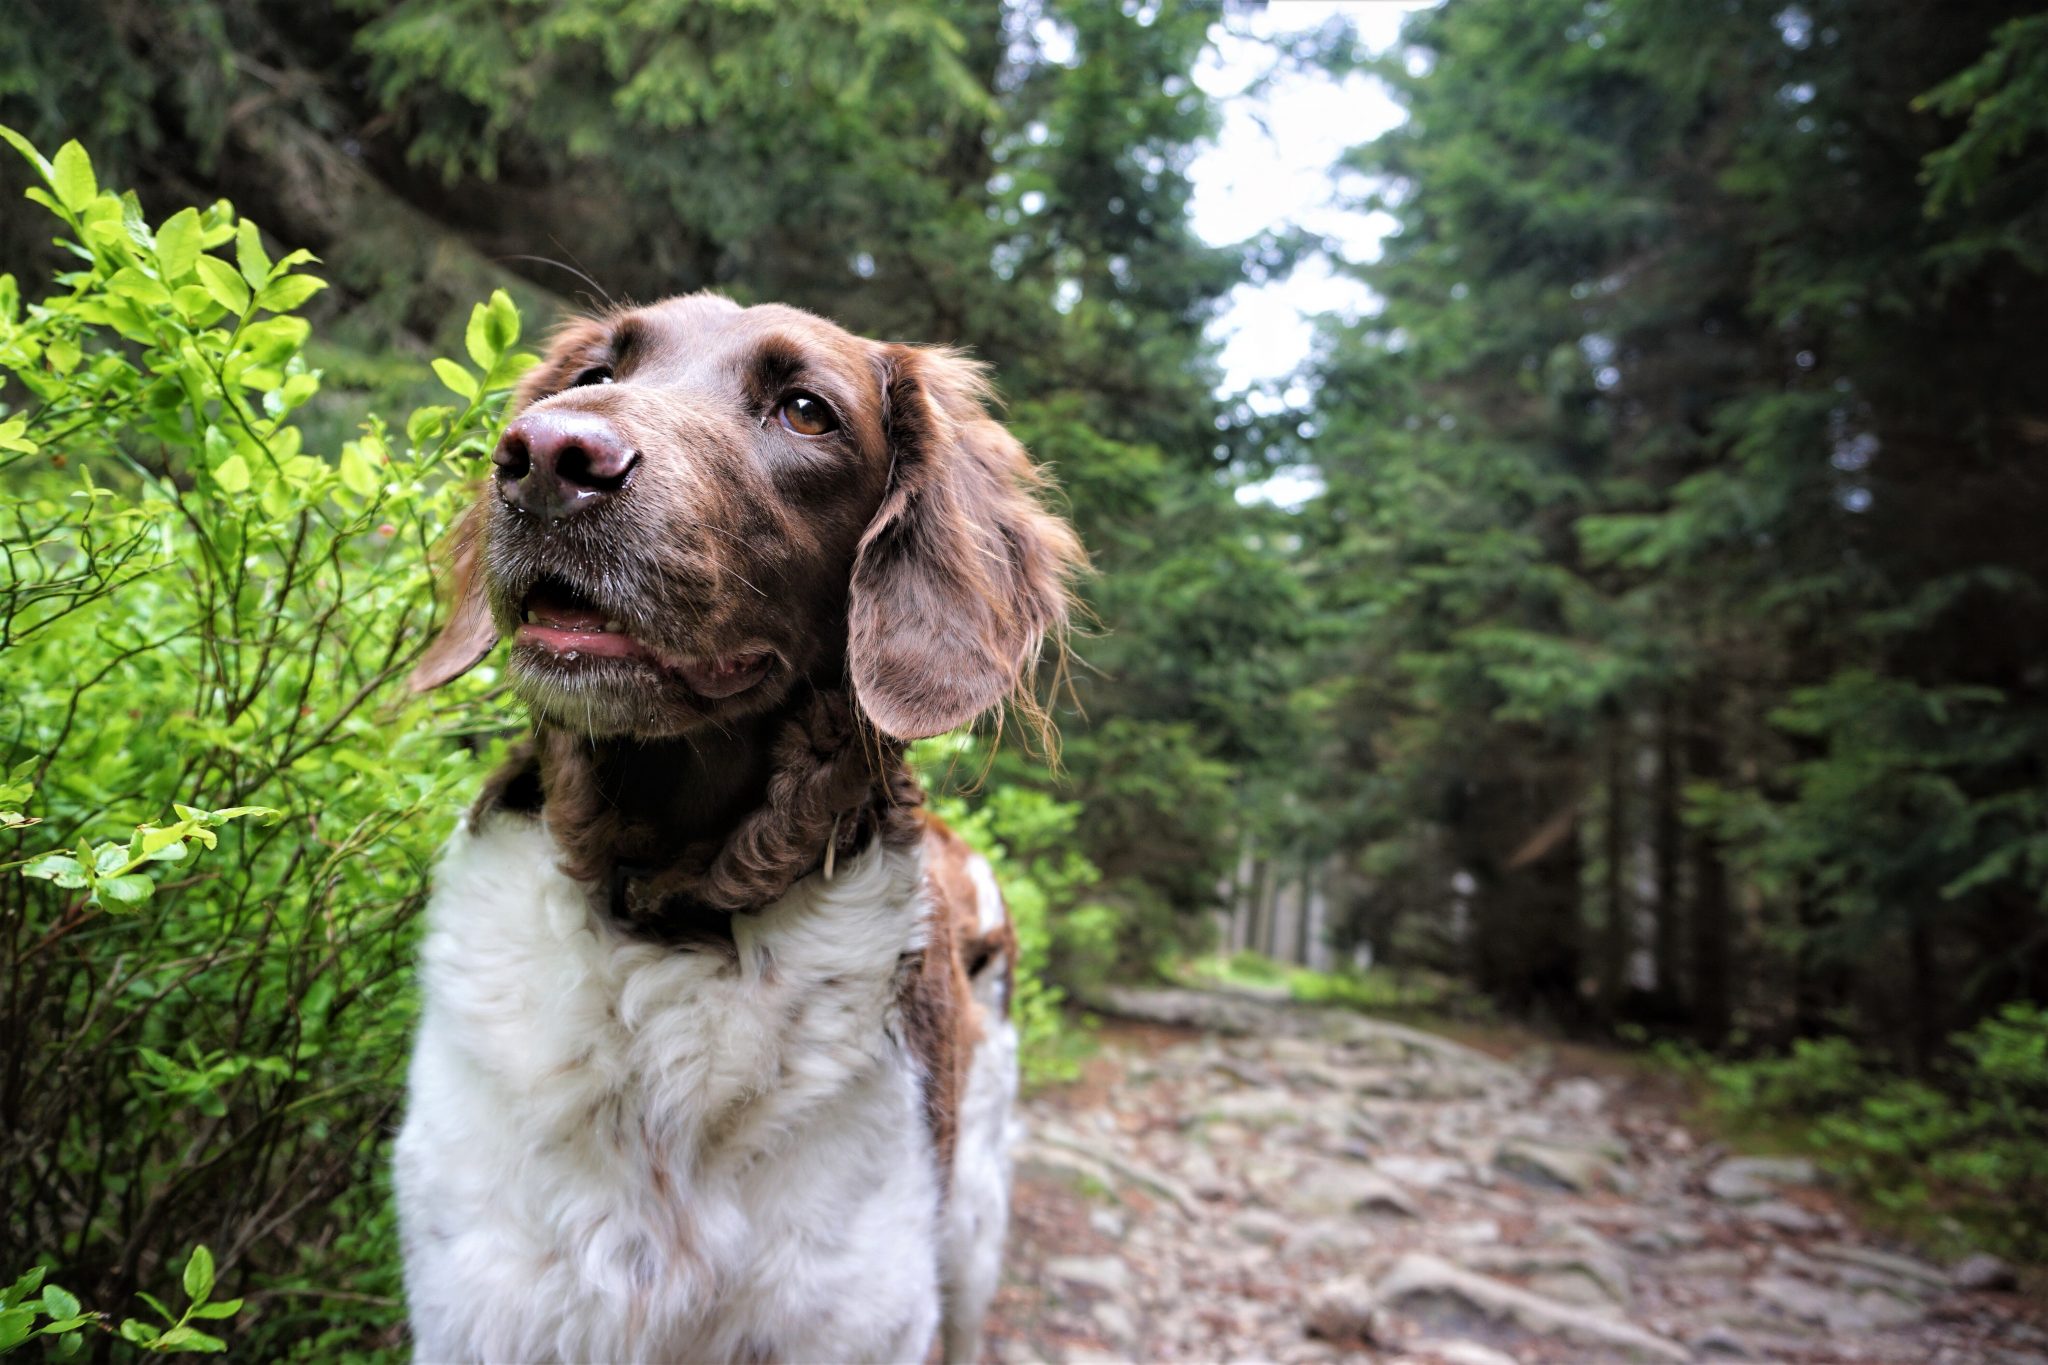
(806, 415)
(596, 374)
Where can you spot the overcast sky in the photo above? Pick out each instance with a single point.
(1271, 166)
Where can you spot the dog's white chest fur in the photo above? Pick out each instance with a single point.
(616, 1151)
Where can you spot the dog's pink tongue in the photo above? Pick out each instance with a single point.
(574, 629)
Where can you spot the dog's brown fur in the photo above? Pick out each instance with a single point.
(898, 571)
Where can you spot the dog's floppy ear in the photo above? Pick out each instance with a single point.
(961, 575)
(469, 632)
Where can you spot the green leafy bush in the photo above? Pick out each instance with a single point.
(1027, 836)
(217, 812)
(29, 1298)
(1960, 1154)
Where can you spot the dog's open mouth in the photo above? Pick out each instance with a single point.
(563, 623)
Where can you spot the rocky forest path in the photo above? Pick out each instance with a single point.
(1243, 1179)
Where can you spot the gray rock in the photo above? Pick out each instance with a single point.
(1747, 1179)
(1582, 1276)
(1581, 1096)
(1333, 1237)
(1086, 1157)
(1325, 1189)
(1106, 1275)
(1343, 1308)
(1058, 1165)
(1446, 1298)
(1867, 1311)
(1424, 1172)
(1888, 1268)
(1262, 1226)
(1118, 1326)
(1785, 1216)
(1477, 1232)
(1108, 1222)
(1458, 1353)
(1554, 1166)
(1887, 1310)
(1983, 1271)
(1256, 1108)
(1665, 1238)
(1721, 1343)
(1016, 1351)
(1797, 1298)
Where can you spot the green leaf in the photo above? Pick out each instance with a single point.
(223, 283)
(199, 1274)
(153, 840)
(477, 340)
(59, 1303)
(15, 1324)
(226, 1308)
(168, 1068)
(135, 224)
(177, 244)
(426, 423)
(249, 254)
(281, 296)
(358, 475)
(130, 889)
(189, 1339)
(139, 1332)
(504, 325)
(232, 474)
(60, 868)
(456, 378)
(70, 1344)
(131, 283)
(33, 1276)
(269, 815)
(71, 176)
(27, 149)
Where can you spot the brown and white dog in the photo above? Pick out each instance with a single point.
(714, 1061)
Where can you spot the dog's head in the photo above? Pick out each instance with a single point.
(700, 505)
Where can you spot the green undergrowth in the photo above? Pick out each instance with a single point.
(1371, 990)
(1955, 1159)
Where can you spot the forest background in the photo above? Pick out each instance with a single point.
(1651, 647)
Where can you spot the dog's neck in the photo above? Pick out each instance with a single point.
(679, 834)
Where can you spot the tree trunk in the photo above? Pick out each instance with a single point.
(1518, 837)
(1667, 838)
(1713, 919)
(1615, 936)
(1262, 907)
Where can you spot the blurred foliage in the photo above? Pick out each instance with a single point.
(1956, 1155)
(1047, 882)
(1412, 993)
(1675, 513)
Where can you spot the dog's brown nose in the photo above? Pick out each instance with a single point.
(556, 464)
